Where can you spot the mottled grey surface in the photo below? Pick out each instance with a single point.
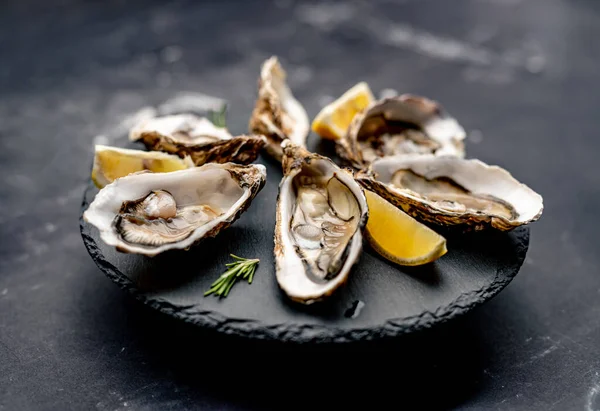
(522, 77)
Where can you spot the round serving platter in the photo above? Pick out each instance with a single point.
(380, 299)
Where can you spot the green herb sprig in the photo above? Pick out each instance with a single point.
(219, 118)
(243, 268)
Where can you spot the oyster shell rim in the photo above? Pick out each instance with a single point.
(347, 148)
(93, 214)
(292, 165)
(266, 115)
(245, 148)
(426, 211)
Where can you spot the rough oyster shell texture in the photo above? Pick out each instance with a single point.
(277, 114)
(453, 191)
(404, 124)
(150, 213)
(321, 213)
(197, 137)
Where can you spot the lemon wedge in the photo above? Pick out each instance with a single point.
(399, 237)
(111, 163)
(334, 119)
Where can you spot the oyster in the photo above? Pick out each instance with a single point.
(321, 213)
(453, 191)
(149, 213)
(197, 137)
(277, 114)
(400, 125)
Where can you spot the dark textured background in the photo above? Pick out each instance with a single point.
(522, 77)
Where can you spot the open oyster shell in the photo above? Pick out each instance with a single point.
(197, 137)
(321, 213)
(277, 114)
(150, 213)
(403, 124)
(453, 191)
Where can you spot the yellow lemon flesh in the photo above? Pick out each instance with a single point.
(334, 119)
(399, 237)
(111, 163)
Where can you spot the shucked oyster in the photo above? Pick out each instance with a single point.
(451, 191)
(404, 124)
(277, 114)
(321, 212)
(149, 213)
(197, 137)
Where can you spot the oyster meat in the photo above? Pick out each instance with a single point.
(403, 124)
(321, 213)
(277, 114)
(197, 137)
(453, 191)
(149, 213)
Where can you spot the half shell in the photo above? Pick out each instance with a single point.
(277, 114)
(453, 191)
(321, 213)
(197, 137)
(404, 124)
(150, 213)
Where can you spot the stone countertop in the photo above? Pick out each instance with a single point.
(521, 76)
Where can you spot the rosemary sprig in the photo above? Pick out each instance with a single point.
(243, 268)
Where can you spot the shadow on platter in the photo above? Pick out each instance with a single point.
(434, 367)
(428, 274)
(327, 148)
(273, 163)
(488, 244)
(176, 268)
(330, 309)
(438, 367)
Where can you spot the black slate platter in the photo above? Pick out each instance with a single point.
(379, 300)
